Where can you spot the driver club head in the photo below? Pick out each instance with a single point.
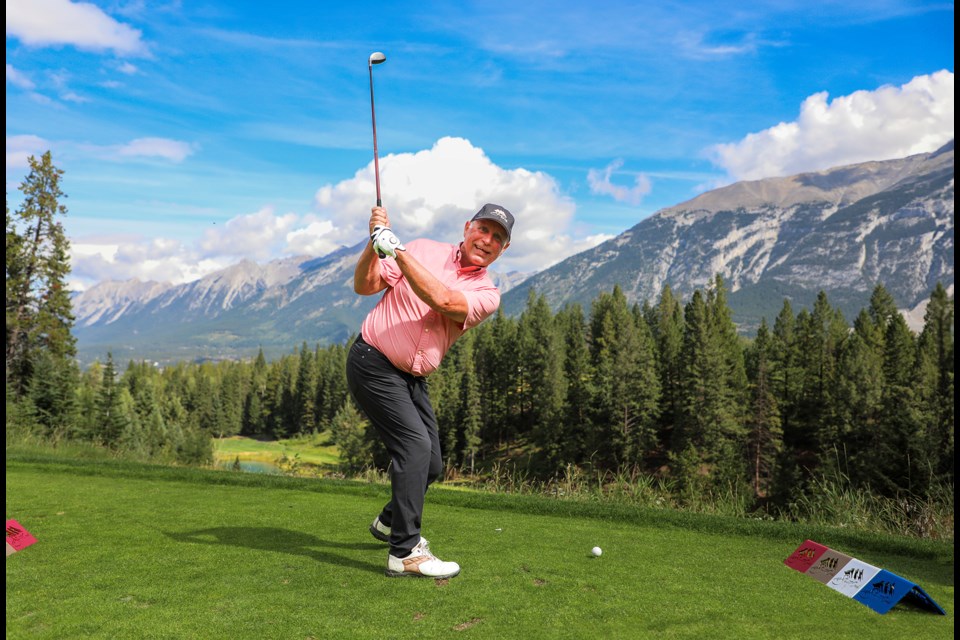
(376, 58)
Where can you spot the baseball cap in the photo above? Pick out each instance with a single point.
(498, 214)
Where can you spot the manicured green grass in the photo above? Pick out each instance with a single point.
(129, 550)
(313, 450)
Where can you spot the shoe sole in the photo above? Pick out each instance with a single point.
(409, 574)
(378, 535)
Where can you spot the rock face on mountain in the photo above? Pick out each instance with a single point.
(230, 313)
(841, 231)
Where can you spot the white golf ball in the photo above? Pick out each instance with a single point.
(596, 551)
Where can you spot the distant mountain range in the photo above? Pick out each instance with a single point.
(842, 231)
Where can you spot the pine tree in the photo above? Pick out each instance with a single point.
(52, 392)
(446, 398)
(858, 401)
(306, 392)
(668, 333)
(497, 377)
(627, 386)
(470, 405)
(354, 437)
(765, 438)
(544, 391)
(712, 426)
(112, 419)
(579, 375)
(936, 373)
(38, 310)
(253, 407)
(902, 466)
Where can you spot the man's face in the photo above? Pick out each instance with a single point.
(483, 242)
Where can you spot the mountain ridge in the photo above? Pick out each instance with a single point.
(841, 230)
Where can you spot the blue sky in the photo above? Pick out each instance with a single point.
(197, 134)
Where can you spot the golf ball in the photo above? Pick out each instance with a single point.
(596, 551)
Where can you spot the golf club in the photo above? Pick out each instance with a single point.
(375, 58)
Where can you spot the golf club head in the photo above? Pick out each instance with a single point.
(376, 58)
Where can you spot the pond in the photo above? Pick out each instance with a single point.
(252, 466)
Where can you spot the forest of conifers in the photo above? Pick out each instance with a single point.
(667, 388)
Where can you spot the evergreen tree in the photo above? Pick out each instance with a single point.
(52, 394)
(38, 310)
(765, 438)
(857, 409)
(112, 419)
(306, 392)
(579, 375)
(497, 377)
(712, 426)
(253, 408)
(627, 387)
(231, 394)
(355, 438)
(728, 456)
(87, 392)
(273, 424)
(327, 396)
(544, 388)
(470, 405)
(446, 398)
(667, 327)
(899, 464)
(935, 369)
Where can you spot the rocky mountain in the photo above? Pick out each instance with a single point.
(230, 313)
(841, 231)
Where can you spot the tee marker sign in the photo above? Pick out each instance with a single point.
(872, 586)
(17, 537)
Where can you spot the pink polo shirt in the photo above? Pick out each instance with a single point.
(405, 329)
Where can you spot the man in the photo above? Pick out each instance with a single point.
(434, 293)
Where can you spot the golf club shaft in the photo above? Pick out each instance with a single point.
(373, 117)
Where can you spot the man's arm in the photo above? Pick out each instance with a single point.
(449, 302)
(366, 276)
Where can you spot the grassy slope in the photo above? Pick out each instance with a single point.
(128, 550)
(314, 451)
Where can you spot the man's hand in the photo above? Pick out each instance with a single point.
(385, 242)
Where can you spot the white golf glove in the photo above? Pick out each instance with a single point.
(386, 242)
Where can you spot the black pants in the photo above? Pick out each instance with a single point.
(397, 404)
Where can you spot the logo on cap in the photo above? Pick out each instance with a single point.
(500, 214)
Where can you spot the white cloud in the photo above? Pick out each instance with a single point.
(890, 122)
(428, 194)
(173, 150)
(258, 236)
(81, 24)
(158, 259)
(71, 96)
(314, 239)
(432, 193)
(600, 182)
(20, 148)
(18, 79)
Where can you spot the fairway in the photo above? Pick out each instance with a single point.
(226, 450)
(127, 551)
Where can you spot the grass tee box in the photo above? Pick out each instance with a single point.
(141, 551)
(877, 588)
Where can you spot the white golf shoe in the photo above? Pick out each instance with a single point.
(379, 530)
(421, 563)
